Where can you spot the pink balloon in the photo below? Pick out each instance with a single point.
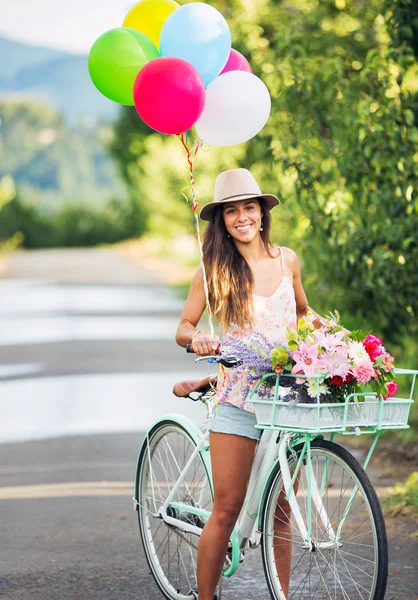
(169, 94)
(236, 62)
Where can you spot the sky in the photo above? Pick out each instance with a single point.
(71, 25)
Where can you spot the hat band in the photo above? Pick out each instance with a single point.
(239, 196)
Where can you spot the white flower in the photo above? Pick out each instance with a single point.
(316, 387)
(357, 352)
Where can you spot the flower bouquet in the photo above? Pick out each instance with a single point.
(339, 362)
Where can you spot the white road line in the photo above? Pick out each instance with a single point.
(95, 488)
(67, 490)
(21, 369)
(14, 469)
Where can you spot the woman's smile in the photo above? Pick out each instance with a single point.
(244, 228)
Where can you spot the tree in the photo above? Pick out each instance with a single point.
(339, 147)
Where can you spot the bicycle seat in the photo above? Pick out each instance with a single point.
(183, 389)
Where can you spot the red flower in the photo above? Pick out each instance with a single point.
(278, 369)
(337, 380)
(392, 387)
(374, 347)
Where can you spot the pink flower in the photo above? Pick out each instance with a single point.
(364, 371)
(307, 360)
(337, 362)
(374, 346)
(330, 341)
(392, 388)
(388, 362)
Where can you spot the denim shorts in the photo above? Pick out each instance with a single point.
(232, 419)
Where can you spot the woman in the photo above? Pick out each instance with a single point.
(255, 286)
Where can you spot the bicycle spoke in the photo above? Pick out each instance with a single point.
(328, 569)
(172, 552)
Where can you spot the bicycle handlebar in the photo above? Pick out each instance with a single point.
(226, 361)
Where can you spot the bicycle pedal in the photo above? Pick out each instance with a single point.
(195, 596)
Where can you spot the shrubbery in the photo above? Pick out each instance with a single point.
(72, 224)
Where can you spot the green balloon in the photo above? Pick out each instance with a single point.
(115, 60)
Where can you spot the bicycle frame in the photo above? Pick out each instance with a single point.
(244, 533)
(272, 446)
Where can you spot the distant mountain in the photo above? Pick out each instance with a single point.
(58, 78)
(16, 56)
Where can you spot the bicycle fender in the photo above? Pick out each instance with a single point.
(193, 431)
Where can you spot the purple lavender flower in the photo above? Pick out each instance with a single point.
(254, 350)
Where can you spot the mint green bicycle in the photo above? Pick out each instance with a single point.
(334, 530)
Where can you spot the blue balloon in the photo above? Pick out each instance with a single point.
(197, 33)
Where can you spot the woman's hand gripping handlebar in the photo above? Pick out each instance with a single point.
(215, 347)
(204, 343)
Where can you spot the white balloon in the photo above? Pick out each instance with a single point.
(237, 107)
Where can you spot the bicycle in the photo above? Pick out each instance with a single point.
(335, 527)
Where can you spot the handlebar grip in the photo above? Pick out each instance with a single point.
(189, 349)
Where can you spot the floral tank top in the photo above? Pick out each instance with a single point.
(273, 315)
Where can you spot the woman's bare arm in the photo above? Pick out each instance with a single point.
(190, 317)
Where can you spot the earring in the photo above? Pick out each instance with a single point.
(261, 228)
(228, 235)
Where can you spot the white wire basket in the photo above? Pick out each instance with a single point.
(361, 412)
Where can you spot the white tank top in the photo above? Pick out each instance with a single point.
(273, 315)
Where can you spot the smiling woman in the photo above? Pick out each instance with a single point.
(253, 286)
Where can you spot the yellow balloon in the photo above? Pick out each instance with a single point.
(149, 16)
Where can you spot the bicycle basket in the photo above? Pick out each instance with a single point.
(362, 411)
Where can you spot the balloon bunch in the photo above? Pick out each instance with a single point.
(176, 65)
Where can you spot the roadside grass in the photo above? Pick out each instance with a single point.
(402, 499)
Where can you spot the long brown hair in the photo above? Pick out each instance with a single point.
(229, 277)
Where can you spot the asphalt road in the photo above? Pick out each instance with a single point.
(87, 359)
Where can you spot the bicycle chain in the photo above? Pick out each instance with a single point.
(177, 531)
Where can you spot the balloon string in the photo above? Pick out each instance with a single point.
(190, 154)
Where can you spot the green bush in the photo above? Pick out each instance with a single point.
(403, 498)
(72, 225)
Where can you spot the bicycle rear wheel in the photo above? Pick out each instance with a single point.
(348, 558)
(171, 553)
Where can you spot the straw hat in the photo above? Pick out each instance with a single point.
(233, 186)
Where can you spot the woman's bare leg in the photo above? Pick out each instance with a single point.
(232, 458)
(283, 542)
(283, 538)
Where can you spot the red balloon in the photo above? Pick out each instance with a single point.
(169, 94)
(236, 62)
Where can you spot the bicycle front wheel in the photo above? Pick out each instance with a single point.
(346, 557)
(170, 551)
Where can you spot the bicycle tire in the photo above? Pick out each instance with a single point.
(173, 585)
(313, 583)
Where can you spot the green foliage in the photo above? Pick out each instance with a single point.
(52, 162)
(403, 498)
(340, 149)
(71, 225)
